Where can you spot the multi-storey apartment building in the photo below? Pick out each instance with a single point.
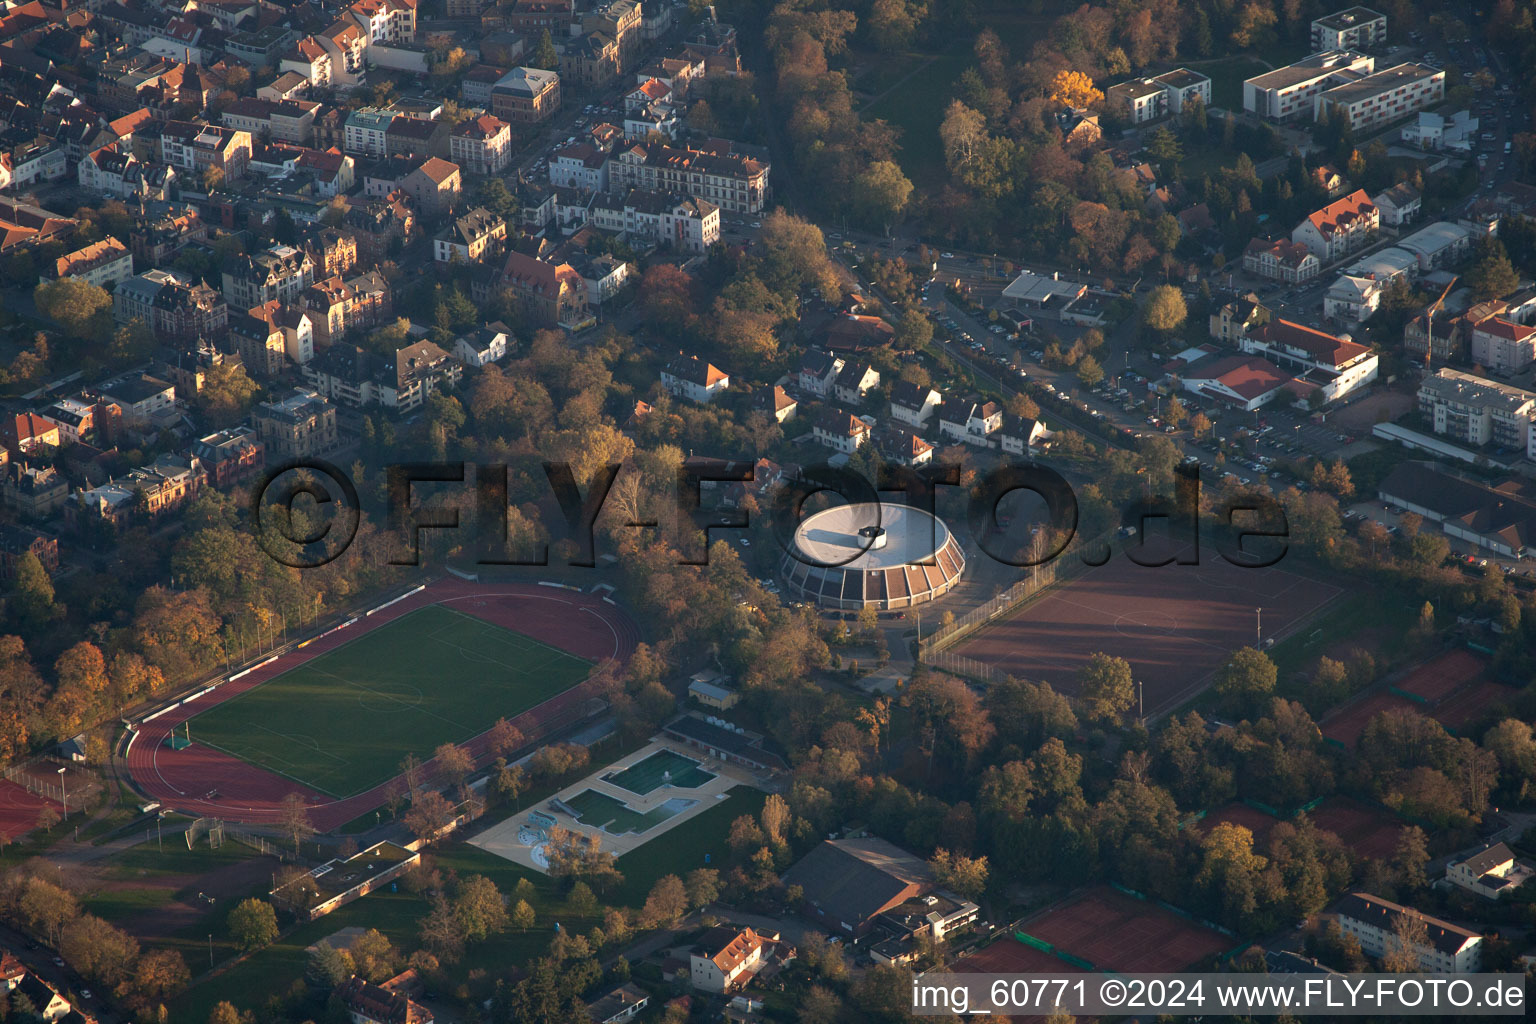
(1357, 28)
(733, 182)
(1290, 262)
(1384, 96)
(1290, 93)
(1476, 411)
(1339, 228)
(192, 146)
(1445, 948)
(481, 145)
(104, 264)
(679, 222)
(526, 96)
(279, 273)
(297, 426)
(1503, 346)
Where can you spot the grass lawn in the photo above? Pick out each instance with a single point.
(1227, 76)
(121, 906)
(1391, 611)
(917, 106)
(342, 722)
(147, 860)
(682, 848)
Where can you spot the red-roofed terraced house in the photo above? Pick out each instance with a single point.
(1339, 228)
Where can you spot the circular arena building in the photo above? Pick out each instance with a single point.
(866, 555)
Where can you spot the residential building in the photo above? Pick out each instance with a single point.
(279, 273)
(659, 218)
(734, 182)
(1373, 921)
(105, 264)
(1433, 131)
(355, 377)
(1182, 86)
(817, 372)
(1357, 28)
(1384, 96)
(581, 166)
(971, 421)
(281, 120)
(526, 96)
(1491, 873)
(367, 1003)
(435, 185)
(1450, 339)
(299, 425)
(1290, 93)
(591, 61)
(694, 379)
(417, 137)
(854, 382)
(1339, 228)
(230, 457)
(1399, 204)
(776, 402)
(29, 432)
(839, 430)
(902, 447)
(141, 397)
(367, 131)
(621, 1004)
(1352, 299)
(550, 294)
(848, 883)
(34, 492)
(1020, 434)
(935, 916)
(1281, 260)
(1138, 101)
(484, 345)
(481, 145)
(347, 46)
(15, 543)
(113, 170)
(469, 239)
(309, 59)
(914, 404)
(619, 20)
(193, 148)
(1235, 318)
(729, 958)
(185, 312)
(1503, 346)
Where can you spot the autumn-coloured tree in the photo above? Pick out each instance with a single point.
(1074, 90)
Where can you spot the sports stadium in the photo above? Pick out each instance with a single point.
(872, 554)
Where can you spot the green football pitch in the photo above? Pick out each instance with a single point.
(342, 722)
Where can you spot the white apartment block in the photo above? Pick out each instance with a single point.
(1385, 96)
(1140, 100)
(582, 166)
(678, 222)
(1357, 28)
(1288, 93)
(1280, 260)
(1503, 346)
(1475, 411)
(1339, 228)
(730, 181)
(1182, 86)
(1449, 948)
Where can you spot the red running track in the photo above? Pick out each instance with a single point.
(184, 779)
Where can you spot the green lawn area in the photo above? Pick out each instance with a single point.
(1227, 76)
(1390, 611)
(121, 906)
(683, 847)
(917, 106)
(148, 860)
(342, 722)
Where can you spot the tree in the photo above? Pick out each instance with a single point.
(253, 924)
(582, 900)
(1074, 90)
(963, 134)
(964, 875)
(104, 954)
(880, 194)
(46, 907)
(1174, 412)
(892, 23)
(31, 596)
(373, 956)
(504, 738)
(227, 393)
(522, 916)
(429, 812)
(224, 1012)
(913, 331)
(1166, 310)
(666, 904)
(294, 819)
(1493, 274)
(1247, 679)
(454, 764)
(83, 309)
(161, 974)
(479, 908)
(1410, 934)
(703, 886)
(1411, 857)
(1106, 685)
(1089, 372)
(544, 56)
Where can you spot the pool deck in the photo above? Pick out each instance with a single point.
(502, 839)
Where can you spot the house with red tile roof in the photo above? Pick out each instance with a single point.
(1339, 228)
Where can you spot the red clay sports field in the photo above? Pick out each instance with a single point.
(208, 782)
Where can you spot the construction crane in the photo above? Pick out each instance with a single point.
(1429, 338)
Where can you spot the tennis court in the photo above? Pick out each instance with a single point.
(663, 768)
(342, 722)
(601, 811)
(1117, 932)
